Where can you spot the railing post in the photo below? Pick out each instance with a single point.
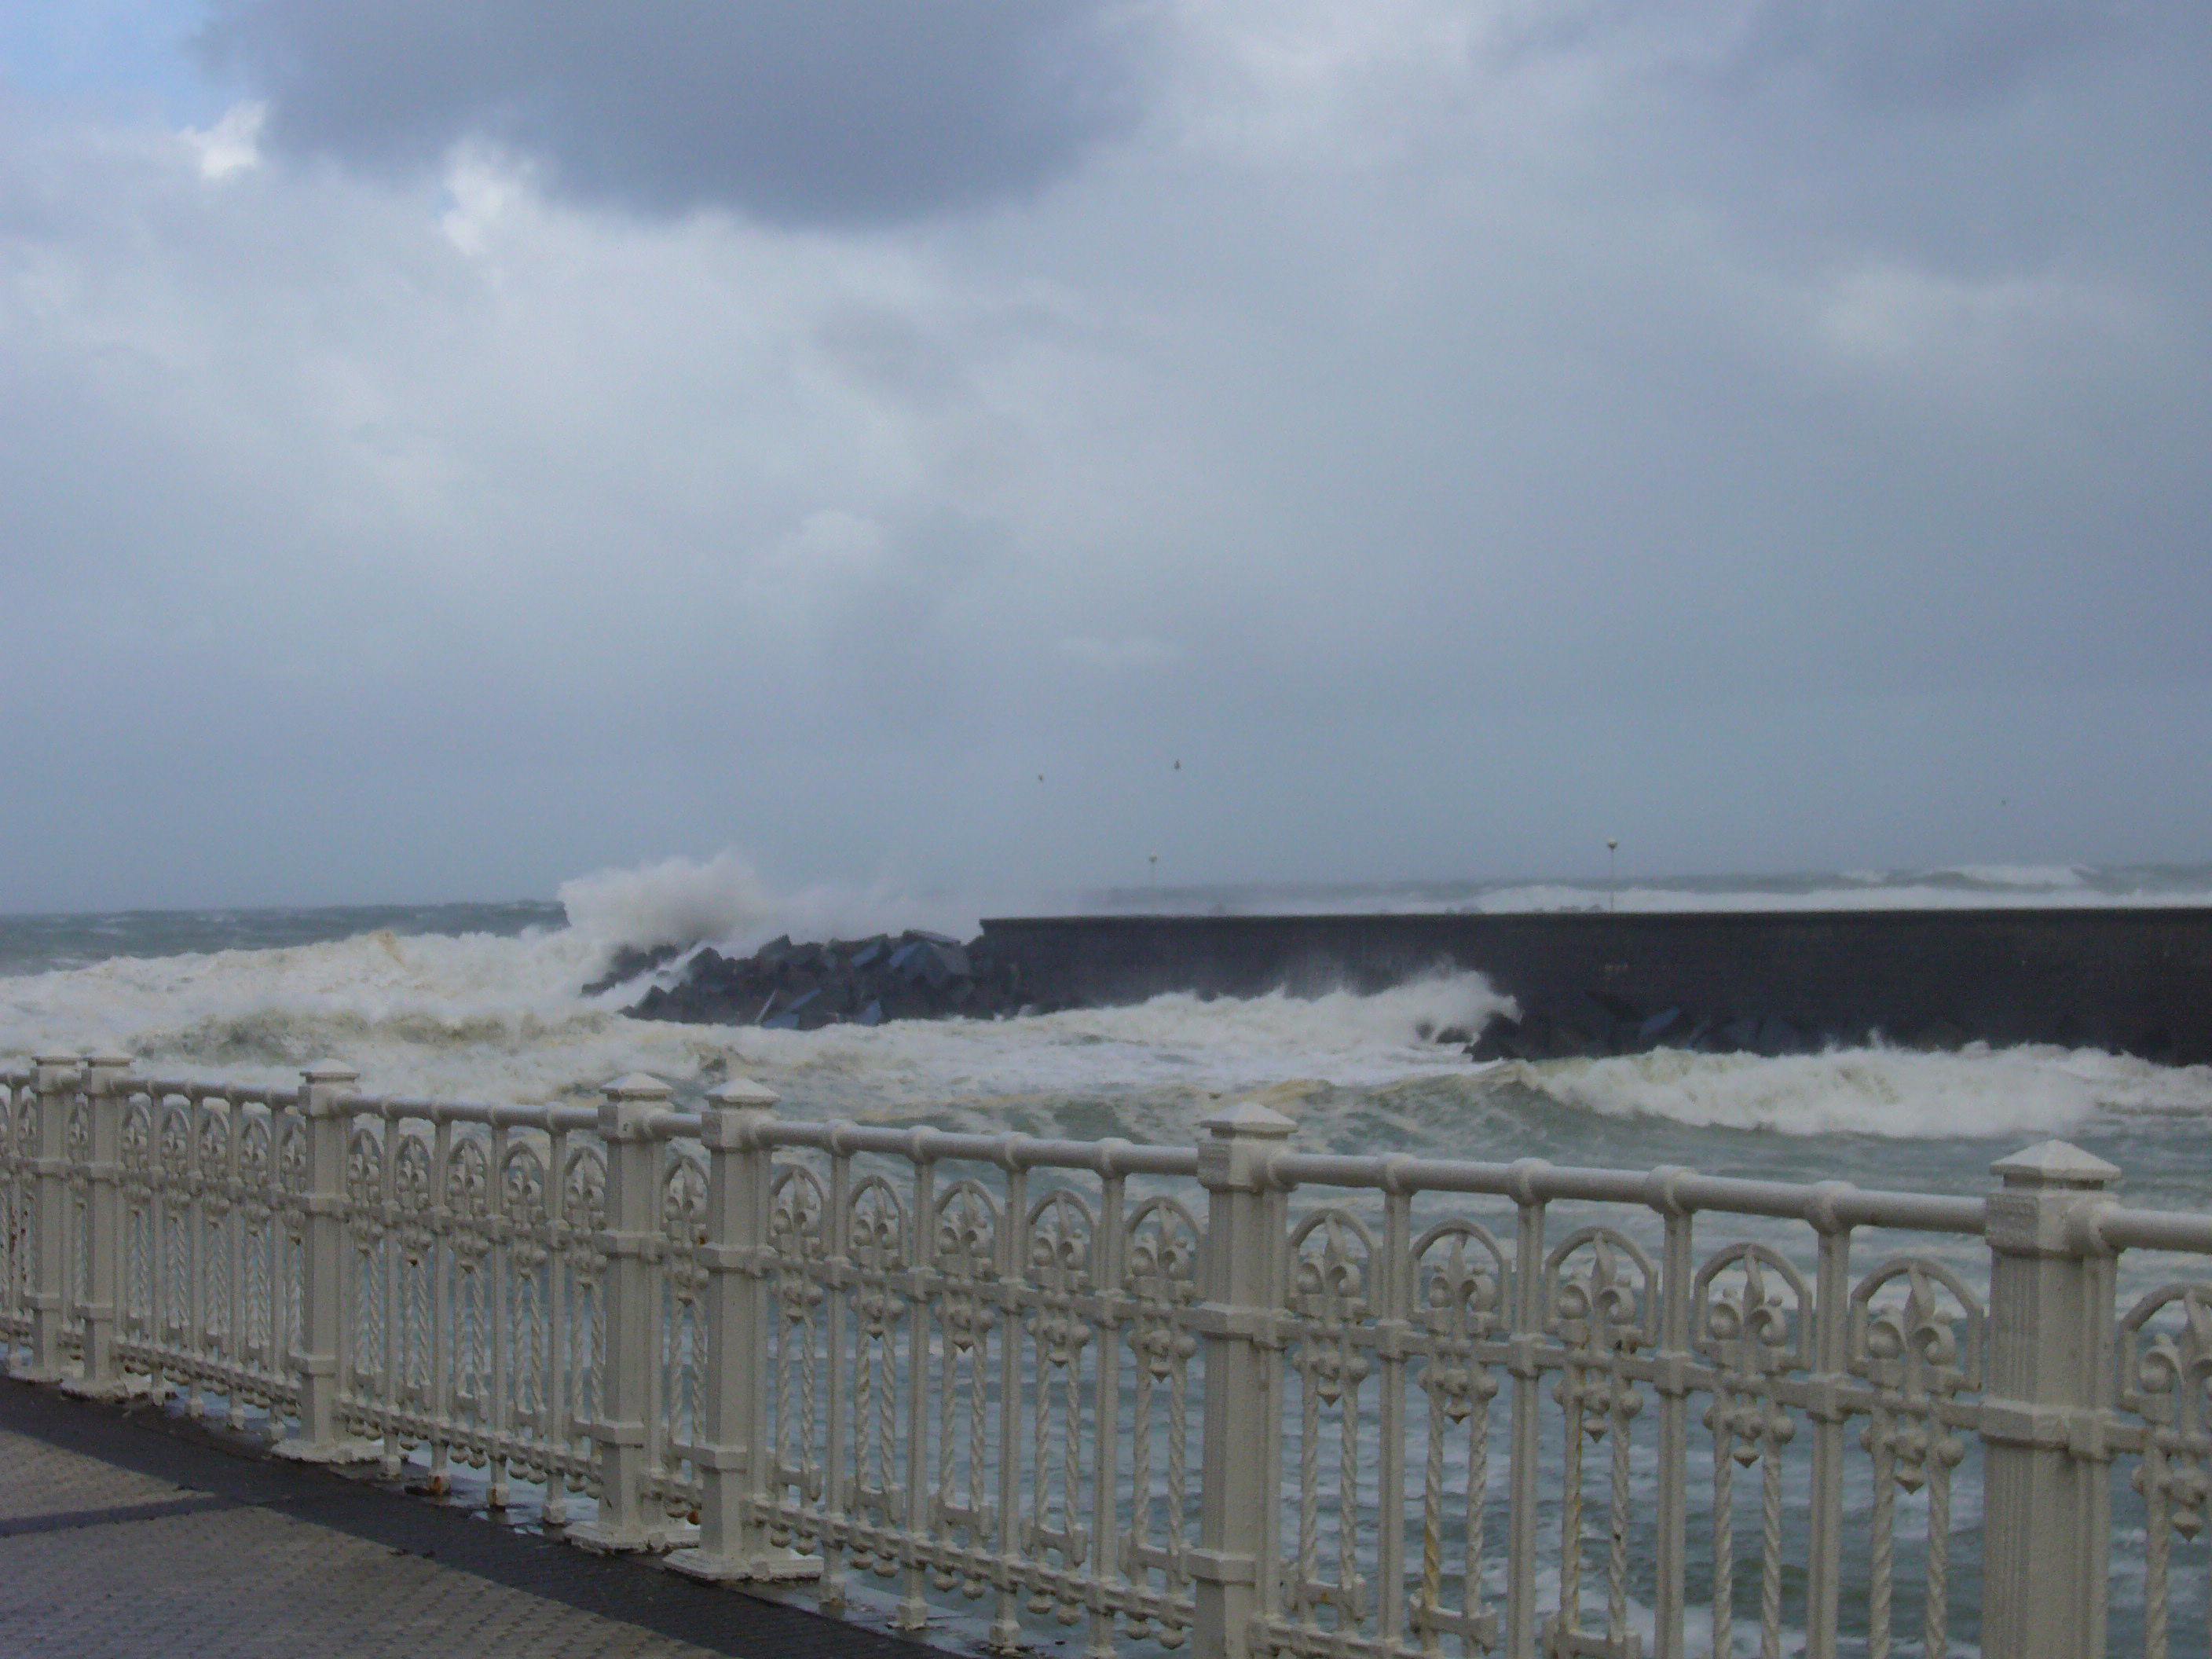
(60, 1077)
(1832, 1298)
(326, 1098)
(2047, 1502)
(1243, 1239)
(107, 1088)
(733, 1455)
(631, 1242)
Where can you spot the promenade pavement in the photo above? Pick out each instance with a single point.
(130, 1532)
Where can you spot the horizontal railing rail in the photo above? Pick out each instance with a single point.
(1236, 1396)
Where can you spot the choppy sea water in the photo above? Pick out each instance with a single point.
(484, 1002)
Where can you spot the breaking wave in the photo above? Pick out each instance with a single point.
(1896, 1093)
(723, 900)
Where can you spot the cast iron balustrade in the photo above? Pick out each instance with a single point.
(1239, 1398)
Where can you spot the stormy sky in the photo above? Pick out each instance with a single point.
(447, 445)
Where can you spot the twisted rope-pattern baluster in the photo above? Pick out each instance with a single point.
(1724, 1523)
(412, 1316)
(795, 1431)
(809, 1413)
(15, 1229)
(1071, 1472)
(1347, 1495)
(976, 1357)
(141, 1301)
(1178, 1483)
(1935, 1642)
(792, 1434)
(475, 1333)
(2157, 1545)
(887, 1416)
(884, 1430)
(1039, 1482)
(291, 1268)
(177, 1270)
(1308, 1479)
(1478, 1490)
(1432, 1520)
(1141, 1459)
(367, 1318)
(228, 1346)
(15, 1213)
(211, 1333)
(1571, 1503)
(1178, 1445)
(1616, 1566)
(1883, 1526)
(257, 1335)
(812, 1478)
(529, 1339)
(596, 1335)
(1769, 1580)
(863, 1407)
(947, 1403)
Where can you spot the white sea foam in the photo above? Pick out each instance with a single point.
(492, 1017)
(500, 1018)
(723, 900)
(1978, 1092)
(2050, 878)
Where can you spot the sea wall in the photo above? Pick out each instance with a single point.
(2136, 981)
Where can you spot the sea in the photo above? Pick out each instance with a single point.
(485, 1001)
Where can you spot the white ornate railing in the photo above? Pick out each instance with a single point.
(1237, 1396)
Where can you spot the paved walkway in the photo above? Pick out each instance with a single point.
(131, 1533)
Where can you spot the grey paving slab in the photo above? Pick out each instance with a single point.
(244, 1580)
(37, 1478)
(129, 1564)
(130, 1533)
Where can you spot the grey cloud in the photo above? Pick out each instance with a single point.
(1906, 53)
(1980, 139)
(1773, 479)
(1877, 55)
(797, 112)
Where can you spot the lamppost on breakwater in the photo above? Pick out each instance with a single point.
(1612, 869)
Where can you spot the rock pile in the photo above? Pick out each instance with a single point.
(802, 988)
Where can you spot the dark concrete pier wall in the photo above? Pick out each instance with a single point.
(2130, 979)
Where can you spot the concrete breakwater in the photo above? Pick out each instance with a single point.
(2128, 979)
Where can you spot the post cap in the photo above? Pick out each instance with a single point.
(636, 1085)
(58, 1057)
(1250, 1117)
(2055, 1164)
(113, 1060)
(331, 1071)
(742, 1094)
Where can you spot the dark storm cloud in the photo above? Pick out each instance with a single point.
(799, 111)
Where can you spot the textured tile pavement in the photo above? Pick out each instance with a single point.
(130, 1534)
